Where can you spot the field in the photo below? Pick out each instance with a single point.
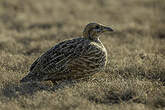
(134, 78)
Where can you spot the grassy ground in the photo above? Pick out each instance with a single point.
(134, 78)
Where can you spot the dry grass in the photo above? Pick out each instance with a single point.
(134, 78)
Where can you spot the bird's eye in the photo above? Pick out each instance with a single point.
(97, 27)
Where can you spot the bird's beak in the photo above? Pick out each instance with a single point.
(105, 29)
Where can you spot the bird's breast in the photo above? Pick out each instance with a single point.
(96, 56)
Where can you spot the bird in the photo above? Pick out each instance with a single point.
(71, 59)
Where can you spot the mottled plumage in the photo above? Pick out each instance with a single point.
(71, 59)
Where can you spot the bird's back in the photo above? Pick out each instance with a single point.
(69, 59)
(72, 59)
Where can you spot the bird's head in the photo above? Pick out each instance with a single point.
(93, 30)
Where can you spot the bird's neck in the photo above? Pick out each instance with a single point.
(94, 39)
(89, 35)
(97, 41)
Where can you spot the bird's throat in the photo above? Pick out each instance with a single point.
(95, 39)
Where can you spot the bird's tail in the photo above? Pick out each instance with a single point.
(29, 78)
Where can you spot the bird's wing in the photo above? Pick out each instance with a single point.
(34, 64)
(56, 59)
